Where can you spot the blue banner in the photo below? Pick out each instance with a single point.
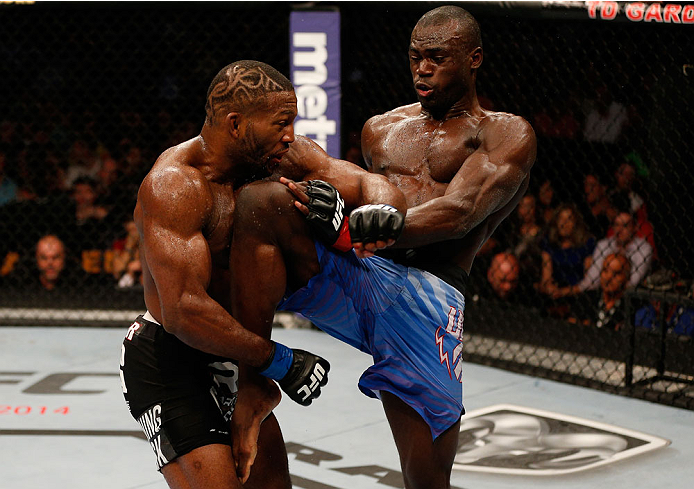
(314, 58)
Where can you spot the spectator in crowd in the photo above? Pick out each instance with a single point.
(108, 194)
(89, 231)
(525, 243)
(606, 119)
(545, 202)
(50, 278)
(50, 262)
(39, 173)
(84, 195)
(624, 193)
(624, 197)
(614, 278)
(503, 275)
(127, 269)
(678, 318)
(133, 168)
(596, 208)
(566, 255)
(82, 162)
(9, 190)
(636, 249)
(556, 120)
(529, 231)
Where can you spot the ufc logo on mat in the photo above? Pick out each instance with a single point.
(316, 377)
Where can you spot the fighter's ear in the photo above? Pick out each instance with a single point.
(476, 57)
(232, 121)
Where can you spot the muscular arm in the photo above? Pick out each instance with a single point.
(487, 181)
(307, 161)
(173, 206)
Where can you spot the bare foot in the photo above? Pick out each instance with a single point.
(257, 397)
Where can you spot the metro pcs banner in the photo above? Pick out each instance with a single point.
(314, 58)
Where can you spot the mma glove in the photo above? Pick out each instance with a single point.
(366, 224)
(326, 215)
(375, 222)
(299, 373)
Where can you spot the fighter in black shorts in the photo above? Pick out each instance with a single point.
(183, 398)
(177, 378)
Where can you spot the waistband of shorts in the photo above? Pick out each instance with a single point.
(453, 275)
(148, 326)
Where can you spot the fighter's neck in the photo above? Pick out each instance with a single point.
(465, 107)
(215, 160)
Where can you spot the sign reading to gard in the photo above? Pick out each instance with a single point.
(668, 13)
(314, 55)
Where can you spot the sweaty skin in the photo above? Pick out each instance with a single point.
(184, 216)
(461, 176)
(462, 168)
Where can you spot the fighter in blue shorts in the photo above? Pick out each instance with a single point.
(462, 170)
(409, 320)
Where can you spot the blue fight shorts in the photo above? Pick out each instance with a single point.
(409, 320)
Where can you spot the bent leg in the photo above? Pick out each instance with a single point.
(271, 468)
(426, 463)
(271, 250)
(210, 467)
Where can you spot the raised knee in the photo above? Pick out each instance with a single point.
(264, 200)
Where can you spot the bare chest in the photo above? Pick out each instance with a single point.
(422, 157)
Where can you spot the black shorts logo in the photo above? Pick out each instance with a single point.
(150, 421)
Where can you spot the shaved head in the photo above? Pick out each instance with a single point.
(241, 86)
(470, 31)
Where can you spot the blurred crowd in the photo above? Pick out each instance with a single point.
(67, 194)
(576, 260)
(68, 189)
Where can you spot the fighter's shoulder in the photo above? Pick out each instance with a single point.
(506, 123)
(174, 179)
(398, 114)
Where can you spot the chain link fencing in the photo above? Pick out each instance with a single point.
(92, 93)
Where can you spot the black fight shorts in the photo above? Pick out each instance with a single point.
(183, 398)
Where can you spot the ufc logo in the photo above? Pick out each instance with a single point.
(339, 212)
(316, 377)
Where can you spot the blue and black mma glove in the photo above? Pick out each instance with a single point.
(299, 373)
(375, 222)
(326, 215)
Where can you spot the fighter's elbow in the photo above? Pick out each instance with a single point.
(176, 316)
(463, 219)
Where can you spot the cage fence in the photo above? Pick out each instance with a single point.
(93, 93)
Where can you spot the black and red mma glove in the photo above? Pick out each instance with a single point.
(326, 215)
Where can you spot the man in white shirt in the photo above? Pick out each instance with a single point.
(636, 249)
